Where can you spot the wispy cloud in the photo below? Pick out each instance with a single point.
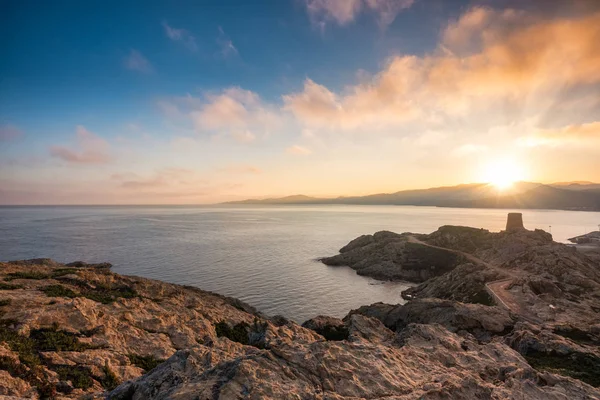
(135, 61)
(89, 149)
(180, 35)
(581, 134)
(240, 169)
(9, 132)
(342, 12)
(227, 49)
(298, 150)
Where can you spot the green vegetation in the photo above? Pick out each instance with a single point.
(30, 366)
(110, 380)
(6, 286)
(579, 366)
(482, 297)
(38, 275)
(57, 273)
(100, 292)
(52, 339)
(4, 302)
(147, 363)
(59, 291)
(331, 332)
(26, 275)
(239, 332)
(107, 294)
(80, 377)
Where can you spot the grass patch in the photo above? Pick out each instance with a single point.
(239, 332)
(6, 286)
(110, 379)
(59, 291)
(57, 273)
(100, 292)
(34, 376)
(334, 333)
(579, 366)
(80, 377)
(4, 302)
(26, 275)
(483, 297)
(52, 339)
(107, 294)
(30, 367)
(147, 363)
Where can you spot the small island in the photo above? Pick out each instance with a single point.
(511, 314)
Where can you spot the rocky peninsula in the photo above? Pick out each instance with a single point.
(495, 315)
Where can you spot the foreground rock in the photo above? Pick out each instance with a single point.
(84, 332)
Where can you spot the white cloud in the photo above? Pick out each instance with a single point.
(227, 49)
(237, 112)
(136, 61)
(89, 149)
(343, 12)
(180, 35)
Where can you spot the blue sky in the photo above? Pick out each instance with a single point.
(208, 101)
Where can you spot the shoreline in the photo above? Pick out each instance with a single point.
(82, 331)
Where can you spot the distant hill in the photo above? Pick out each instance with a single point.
(576, 185)
(476, 195)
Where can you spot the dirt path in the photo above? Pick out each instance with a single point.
(497, 289)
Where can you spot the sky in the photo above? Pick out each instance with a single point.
(194, 102)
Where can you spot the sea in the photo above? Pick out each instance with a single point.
(263, 255)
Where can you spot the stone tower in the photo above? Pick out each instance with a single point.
(514, 222)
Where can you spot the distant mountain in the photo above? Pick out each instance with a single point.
(475, 195)
(576, 185)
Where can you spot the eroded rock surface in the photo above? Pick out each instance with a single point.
(88, 333)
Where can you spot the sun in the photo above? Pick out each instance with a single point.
(503, 173)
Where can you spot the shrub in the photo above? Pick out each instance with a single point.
(147, 363)
(26, 275)
(59, 291)
(239, 332)
(6, 286)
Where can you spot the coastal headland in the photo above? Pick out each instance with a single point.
(511, 314)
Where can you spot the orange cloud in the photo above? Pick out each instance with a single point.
(574, 134)
(484, 59)
(235, 112)
(90, 149)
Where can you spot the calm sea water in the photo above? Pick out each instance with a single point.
(262, 255)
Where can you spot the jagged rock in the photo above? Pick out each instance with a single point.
(389, 256)
(328, 327)
(426, 361)
(481, 321)
(466, 283)
(81, 264)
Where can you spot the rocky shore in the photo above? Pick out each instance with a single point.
(495, 316)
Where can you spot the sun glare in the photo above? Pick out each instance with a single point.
(503, 173)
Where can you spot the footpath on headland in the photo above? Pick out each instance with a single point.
(499, 289)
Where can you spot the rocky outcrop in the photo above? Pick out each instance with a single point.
(85, 332)
(422, 361)
(389, 256)
(478, 320)
(592, 238)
